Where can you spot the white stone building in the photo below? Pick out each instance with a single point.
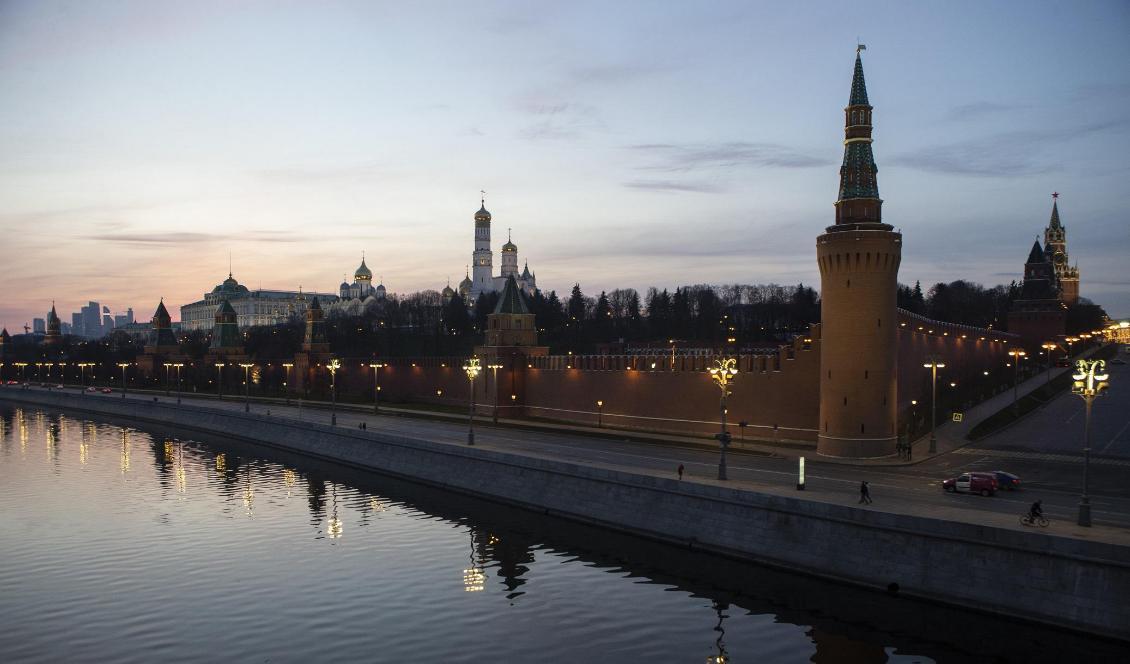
(482, 278)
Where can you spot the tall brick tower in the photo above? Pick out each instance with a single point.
(1055, 245)
(859, 260)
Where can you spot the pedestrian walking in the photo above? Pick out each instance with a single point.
(864, 493)
(680, 471)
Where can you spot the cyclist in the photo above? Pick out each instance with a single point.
(1036, 510)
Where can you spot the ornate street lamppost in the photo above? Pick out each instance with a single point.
(246, 386)
(220, 379)
(23, 372)
(286, 381)
(722, 373)
(123, 366)
(39, 371)
(376, 367)
(600, 413)
(933, 365)
(494, 369)
(472, 369)
(178, 366)
(1016, 356)
(168, 365)
(1090, 380)
(333, 365)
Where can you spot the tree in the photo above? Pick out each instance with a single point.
(602, 318)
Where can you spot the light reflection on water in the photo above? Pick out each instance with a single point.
(118, 545)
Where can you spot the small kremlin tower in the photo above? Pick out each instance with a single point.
(859, 259)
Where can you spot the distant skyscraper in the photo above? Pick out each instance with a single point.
(76, 324)
(39, 325)
(92, 320)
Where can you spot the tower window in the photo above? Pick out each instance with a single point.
(865, 372)
(860, 427)
(849, 283)
(845, 401)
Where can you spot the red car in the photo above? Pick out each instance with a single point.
(106, 390)
(983, 483)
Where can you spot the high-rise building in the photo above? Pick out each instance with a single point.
(39, 325)
(76, 324)
(92, 320)
(859, 259)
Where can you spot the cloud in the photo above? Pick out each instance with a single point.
(979, 109)
(193, 238)
(671, 157)
(670, 186)
(1007, 154)
(556, 117)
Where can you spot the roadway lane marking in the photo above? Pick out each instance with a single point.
(1038, 456)
(1112, 440)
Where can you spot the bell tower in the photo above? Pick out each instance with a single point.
(859, 258)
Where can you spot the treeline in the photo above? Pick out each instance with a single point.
(421, 324)
(969, 303)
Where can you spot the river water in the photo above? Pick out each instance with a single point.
(122, 545)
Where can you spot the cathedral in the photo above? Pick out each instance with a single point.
(481, 278)
(362, 286)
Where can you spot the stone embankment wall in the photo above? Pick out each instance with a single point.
(1066, 582)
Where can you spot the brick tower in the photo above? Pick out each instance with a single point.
(1055, 245)
(859, 260)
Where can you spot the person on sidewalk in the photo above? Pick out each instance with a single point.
(680, 471)
(864, 493)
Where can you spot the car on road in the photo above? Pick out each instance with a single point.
(60, 387)
(1118, 360)
(13, 382)
(1007, 480)
(106, 390)
(972, 482)
(92, 389)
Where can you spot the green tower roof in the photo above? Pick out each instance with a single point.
(512, 300)
(858, 85)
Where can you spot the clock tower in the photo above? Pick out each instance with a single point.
(1055, 246)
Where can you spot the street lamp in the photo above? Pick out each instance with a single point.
(1048, 348)
(472, 368)
(494, 368)
(933, 365)
(168, 365)
(1016, 356)
(376, 367)
(722, 373)
(23, 372)
(178, 366)
(246, 386)
(599, 413)
(82, 376)
(286, 382)
(1090, 380)
(333, 365)
(123, 365)
(220, 379)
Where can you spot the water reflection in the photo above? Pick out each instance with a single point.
(585, 594)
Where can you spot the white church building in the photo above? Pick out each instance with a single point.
(481, 278)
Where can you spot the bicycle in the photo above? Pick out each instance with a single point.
(1028, 520)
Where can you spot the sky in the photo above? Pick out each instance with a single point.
(627, 144)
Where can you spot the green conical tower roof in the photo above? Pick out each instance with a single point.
(512, 300)
(858, 85)
(1037, 254)
(1055, 216)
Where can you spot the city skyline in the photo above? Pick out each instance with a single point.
(144, 143)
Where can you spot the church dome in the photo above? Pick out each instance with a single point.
(482, 216)
(344, 286)
(509, 247)
(466, 283)
(363, 272)
(448, 292)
